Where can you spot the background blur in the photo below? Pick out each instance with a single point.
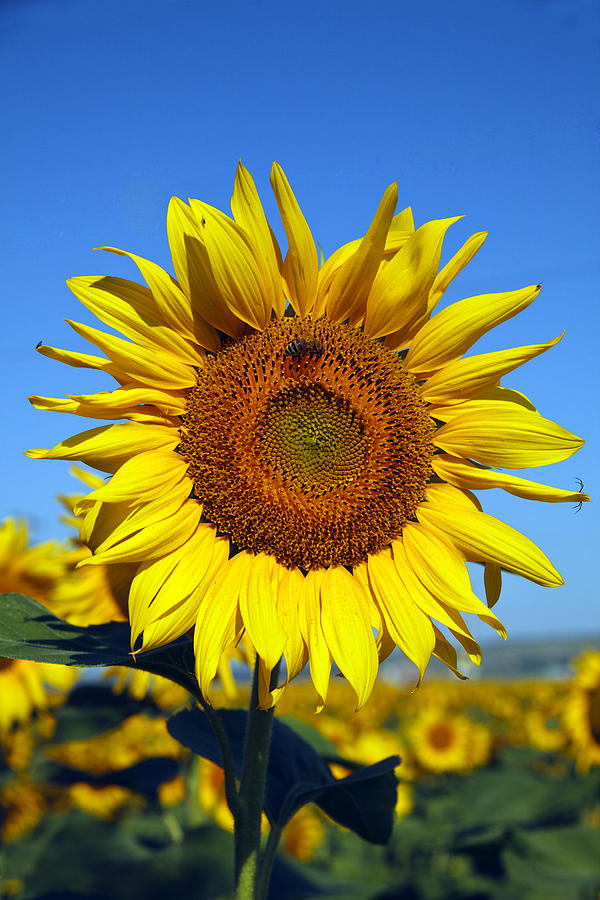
(484, 109)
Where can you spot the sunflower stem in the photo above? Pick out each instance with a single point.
(266, 866)
(252, 792)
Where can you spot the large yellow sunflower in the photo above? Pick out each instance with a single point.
(581, 712)
(36, 571)
(301, 441)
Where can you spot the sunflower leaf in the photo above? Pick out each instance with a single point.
(29, 631)
(363, 801)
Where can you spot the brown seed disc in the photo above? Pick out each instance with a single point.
(309, 442)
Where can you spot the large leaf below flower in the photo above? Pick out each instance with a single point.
(363, 801)
(29, 631)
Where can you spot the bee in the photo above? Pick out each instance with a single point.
(300, 346)
(579, 504)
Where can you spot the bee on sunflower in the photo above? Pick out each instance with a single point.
(316, 502)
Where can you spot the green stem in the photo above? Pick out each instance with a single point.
(251, 793)
(267, 861)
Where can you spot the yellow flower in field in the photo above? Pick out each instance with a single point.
(303, 833)
(301, 442)
(103, 801)
(22, 806)
(581, 713)
(35, 571)
(442, 742)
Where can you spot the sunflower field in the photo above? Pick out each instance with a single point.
(498, 793)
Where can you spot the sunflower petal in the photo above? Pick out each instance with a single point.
(248, 212)
(258, 608)
(482, 538)
(399, 293)
(109, 446)
(452, 331)
(463, 473)
(350, 287)
(301, 264)
(143, 477)
(218, 621)
(408, 626)
(319, 656)
(468, 377)
(517, 438)
(452, 268)
(347, 631)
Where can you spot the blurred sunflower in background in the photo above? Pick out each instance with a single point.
(444, 742)
(581, 711)
(301, 441)
(36, 571)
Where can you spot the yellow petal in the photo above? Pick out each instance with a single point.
(451, 332)
(468, 377)
(218, 620)
(172, 306)
(301, 264)
(454, 266)
(234, 268)
(295, 652)
(156, 540)
(482, 538)
(517, 439)
(144, 477)
(145, 585)
(492, 398)
(109, 446)
(148, 365)
(78, 360)
(194, 272)
(350, 287)
(130, 308)
(464, 474)
(445, 652)
(150, 512)
(442, 570)
(399, 294)
(409, 627)
(319, 656)
(258, 607)
(492, 576)
(248, 212)
(347, 631)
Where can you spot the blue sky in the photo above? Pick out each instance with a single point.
(486, 109)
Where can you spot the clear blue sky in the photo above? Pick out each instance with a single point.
(487, 109)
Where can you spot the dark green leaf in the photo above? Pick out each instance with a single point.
(29, 631)
(363, 801)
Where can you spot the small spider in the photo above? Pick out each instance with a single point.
(579, 503)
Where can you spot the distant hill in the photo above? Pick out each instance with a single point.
(545, 659)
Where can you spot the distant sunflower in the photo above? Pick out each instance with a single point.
(581, 713)
(302, 441)
(443, 742)
(36, 571)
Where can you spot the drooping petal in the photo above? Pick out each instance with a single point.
(409, 627)
(445, 652)
(295, 652)
(319, 655)
(454, 329)
(443, 572)
(347, 630)
(463, 473)
(399, 293)
(492, 577)
(468, 377)
(482, 538)
(517, 438)
(301, 264)
(219, 621)
(258, 608)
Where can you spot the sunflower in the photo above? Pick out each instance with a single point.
(301, 440)
(35, 571)
(442, 742)
(581, 713)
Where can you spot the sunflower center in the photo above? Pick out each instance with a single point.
(309, 442)
(441, 736)
(594, 713)
(312, 438)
